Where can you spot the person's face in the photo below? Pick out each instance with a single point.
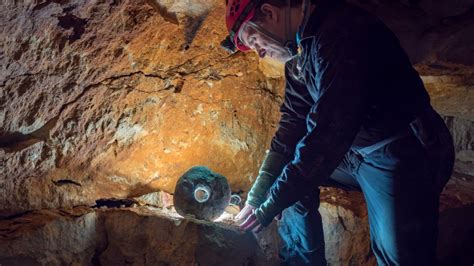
(263, 44)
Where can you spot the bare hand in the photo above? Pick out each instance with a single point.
(251, 224)
(245, 213)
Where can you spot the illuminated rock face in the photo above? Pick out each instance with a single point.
(102, 99)
(120, 99)
(122, 104)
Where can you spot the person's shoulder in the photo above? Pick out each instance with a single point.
(350, 18)
(342, 26)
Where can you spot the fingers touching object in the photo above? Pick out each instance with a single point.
(245, 213)
(251, 224)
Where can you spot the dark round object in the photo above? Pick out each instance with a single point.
(201, 193)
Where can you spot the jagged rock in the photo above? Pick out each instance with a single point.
(101, 97)
(118, 237)
(157, 199)
(149, 236)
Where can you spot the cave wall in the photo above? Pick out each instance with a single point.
(145, 235)
(108, 99)
(437, 35)
(124, 237)
(118, 98)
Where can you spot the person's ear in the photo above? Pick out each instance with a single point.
(270, 12)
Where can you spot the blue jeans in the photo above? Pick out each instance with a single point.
(401, 183)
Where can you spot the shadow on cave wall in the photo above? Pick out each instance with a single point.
(190, 16)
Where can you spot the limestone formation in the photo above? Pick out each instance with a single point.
(150, 236)
(116, 107)
(141, 236)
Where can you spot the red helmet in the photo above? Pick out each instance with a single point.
(238, 12)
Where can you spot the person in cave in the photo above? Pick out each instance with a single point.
(356, 116)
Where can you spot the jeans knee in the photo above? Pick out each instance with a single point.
(301, 232)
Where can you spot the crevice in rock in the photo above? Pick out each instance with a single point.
(21, 50)
(63, 182)
(15, 216)
(265, 90)
(70, 21)
(7, 79)
(341, 221)
(16, 141)
(115, 203)
(46, 3)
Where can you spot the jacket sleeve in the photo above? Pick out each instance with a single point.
(339, 70)
(292, 127)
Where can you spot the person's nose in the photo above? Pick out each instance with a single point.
(261, 52)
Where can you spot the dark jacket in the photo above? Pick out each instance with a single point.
(351, 86)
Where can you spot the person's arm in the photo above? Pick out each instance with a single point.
(340, 68)
(291, 128)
